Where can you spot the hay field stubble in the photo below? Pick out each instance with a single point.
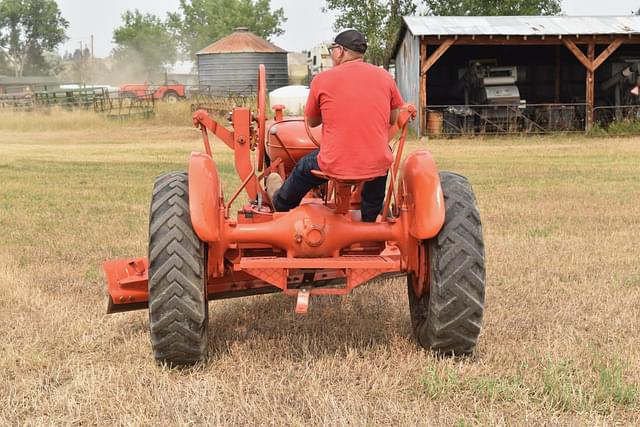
(559, 344)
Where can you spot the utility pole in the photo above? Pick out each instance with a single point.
(81, 65)
(91, 64)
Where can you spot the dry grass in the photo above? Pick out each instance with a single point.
(560, 338)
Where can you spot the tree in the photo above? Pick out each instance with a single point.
(492, 7)
(144, 44)
(378, 20)
(54, 63)
(77, 66)
(201, 22)
(28, 29)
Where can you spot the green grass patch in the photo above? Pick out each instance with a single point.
(632, 281)
(544, 232)
(564, 385)
(441, 381)
(568, 387)
(438, 382)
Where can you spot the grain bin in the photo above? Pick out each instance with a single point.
(230, 65)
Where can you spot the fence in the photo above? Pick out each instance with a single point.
(504, 119)
(125, 107)
(445, 120)
(16, 102)
(69, 99)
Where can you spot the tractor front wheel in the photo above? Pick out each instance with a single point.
(447, 316)
(178, 306)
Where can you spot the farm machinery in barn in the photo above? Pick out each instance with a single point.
(429, 231)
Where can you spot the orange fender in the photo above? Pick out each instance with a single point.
(423, 194)
(204, 197)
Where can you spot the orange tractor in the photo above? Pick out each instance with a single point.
(429, 231)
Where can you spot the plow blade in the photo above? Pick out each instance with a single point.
(127, 284)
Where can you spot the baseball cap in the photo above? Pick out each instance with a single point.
(352, 40)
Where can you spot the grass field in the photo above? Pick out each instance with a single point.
(559, 345)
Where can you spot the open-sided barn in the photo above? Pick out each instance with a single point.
(518, 73)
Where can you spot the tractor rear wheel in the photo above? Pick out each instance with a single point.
(178, 314)
(448, 316)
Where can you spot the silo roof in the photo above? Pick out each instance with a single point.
(241, 41)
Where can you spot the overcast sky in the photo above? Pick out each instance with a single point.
(306, 25)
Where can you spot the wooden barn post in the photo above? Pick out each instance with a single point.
(423, 86)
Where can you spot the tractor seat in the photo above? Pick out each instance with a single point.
(340, 179)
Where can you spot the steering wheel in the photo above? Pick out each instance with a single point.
(310, 134)
(262, 114)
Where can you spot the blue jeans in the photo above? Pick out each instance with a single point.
(301, 181)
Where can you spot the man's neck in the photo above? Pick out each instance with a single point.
(354, 59)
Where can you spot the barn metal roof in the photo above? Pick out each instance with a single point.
(241, 41)
(521, 25)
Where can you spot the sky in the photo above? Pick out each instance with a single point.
(306, 25)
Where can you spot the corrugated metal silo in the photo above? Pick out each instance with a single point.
(230, 65)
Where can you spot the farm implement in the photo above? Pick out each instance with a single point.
(429, 231)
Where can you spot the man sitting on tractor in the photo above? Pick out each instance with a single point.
(356, 103)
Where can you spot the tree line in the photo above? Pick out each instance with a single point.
(31, 29)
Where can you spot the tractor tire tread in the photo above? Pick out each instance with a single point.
(448, 318)
(177, 296)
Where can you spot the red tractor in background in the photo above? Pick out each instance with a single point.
(169, 91)
(429, 232)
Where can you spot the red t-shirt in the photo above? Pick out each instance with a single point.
(355, 100)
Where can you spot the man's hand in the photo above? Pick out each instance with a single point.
(393, 117)
(313, 121)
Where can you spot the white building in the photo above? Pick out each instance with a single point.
(319, 59)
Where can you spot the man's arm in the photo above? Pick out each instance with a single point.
(312, 112)
(313, 121)
(392, 117)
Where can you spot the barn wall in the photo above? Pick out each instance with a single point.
(408, 72)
